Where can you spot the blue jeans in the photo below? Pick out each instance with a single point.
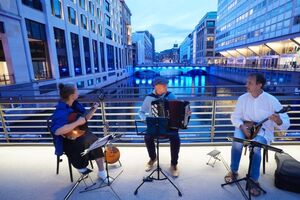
(236, 152)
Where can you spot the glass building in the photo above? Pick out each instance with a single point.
(45, 42)
(261, 33)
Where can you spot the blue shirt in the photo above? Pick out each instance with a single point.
(60, 118)
(146, 106)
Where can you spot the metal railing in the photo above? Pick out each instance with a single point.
(24, 121)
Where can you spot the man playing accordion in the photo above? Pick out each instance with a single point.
(160, 92)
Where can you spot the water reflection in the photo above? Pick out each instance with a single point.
(182, 86)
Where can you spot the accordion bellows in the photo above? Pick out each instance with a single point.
(176, 111)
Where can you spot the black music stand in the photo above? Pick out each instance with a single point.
(248, 179)
(157, 126)
(102, 143)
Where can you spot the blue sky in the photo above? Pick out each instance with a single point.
(169, 21)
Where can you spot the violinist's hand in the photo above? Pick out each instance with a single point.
(95, 105)
(80, 121)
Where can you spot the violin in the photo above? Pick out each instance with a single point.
(254, 127)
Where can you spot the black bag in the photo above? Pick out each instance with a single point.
(287, 173)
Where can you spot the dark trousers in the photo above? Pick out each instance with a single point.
(74, 148)
(174, 146)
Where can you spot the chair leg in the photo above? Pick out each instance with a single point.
(264, 162)
(70, 170)
(91, 163)
(57, 164)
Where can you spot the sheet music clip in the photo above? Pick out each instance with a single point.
(215, 155)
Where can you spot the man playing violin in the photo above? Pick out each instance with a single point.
(254, 106)
(66, 132)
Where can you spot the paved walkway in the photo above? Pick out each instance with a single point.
(28, 173)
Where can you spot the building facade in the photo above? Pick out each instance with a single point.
(262, 33)
(144, 47)
(45, 42)
(205, 40)
(185, 52)
(169, 55)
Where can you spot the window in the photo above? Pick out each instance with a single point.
(61, 50)
(98, 80)
(82, 4)
(210, 30)
(110, 57)
(36, 4)
(95, 54)
(210, 23)
(91, 8)
(93, 26)
(80, 84)
(107, 20)
(87, 57)
(56, 8)
(90, 82)
(83, 21)
(297, 20)
(100, 29)
(209, 53)
(72, 15)
(76, 54)
(117, 59)
(209, 44)
(98, 13)
(107, 6)
(102, 57)
(38, 50)
(108, 33)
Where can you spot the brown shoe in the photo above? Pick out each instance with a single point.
(174, 171)
(150, 165)
(230, 176)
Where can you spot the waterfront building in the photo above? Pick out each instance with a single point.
(169, 55)
(261, 34)
(144, 51)
(45, 42)
(205, 40)
(185, 50)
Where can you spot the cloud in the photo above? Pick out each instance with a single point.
(168, 20)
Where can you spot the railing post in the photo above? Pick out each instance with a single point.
(4, 124)
(213, 121)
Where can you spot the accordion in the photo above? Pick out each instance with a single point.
(177, 112)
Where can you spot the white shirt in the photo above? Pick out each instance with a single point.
(257, 109)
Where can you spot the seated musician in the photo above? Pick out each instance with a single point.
(255, 105)
(160, 91)
(62, 126)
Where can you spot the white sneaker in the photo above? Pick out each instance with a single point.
(103, 176)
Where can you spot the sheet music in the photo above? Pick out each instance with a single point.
(98, 143)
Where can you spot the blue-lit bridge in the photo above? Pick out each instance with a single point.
(171, 70)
